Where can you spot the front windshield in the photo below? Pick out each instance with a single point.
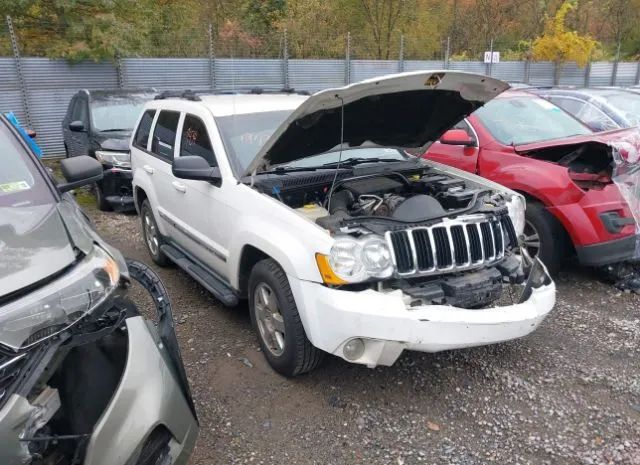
(21, 184)
(115, 113)
(383, 153)
(244, 134)
(522, 120)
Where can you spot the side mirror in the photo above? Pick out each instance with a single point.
(195, 168)
(76, 126)
(79, 171)
(456, 137)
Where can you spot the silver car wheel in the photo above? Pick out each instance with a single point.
(531, 239)
(269, 319)
(150, 233)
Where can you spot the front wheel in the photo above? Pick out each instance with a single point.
(101, 201)
(275, 317)
(544, 236)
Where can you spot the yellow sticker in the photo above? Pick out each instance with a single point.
(17, 186)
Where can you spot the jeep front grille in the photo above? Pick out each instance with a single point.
(452, 245)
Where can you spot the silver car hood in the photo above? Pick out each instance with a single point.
(401, 110)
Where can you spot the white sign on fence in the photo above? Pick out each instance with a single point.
(491, 57)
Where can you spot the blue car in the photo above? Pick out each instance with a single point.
(599, 108)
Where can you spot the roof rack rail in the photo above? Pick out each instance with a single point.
(185, 94)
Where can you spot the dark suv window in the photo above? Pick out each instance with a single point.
(164, 134)
(195, 140)
(144, 129)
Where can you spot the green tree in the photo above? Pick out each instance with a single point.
(559, 44)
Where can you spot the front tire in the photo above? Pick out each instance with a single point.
(544, 236)
(275, 317)
(101, 202)
(151, 235)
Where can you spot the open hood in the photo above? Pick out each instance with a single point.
(401, 110)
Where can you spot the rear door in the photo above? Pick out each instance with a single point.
(458, 156)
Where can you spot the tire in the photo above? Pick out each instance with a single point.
(296, 355)
(151, 235)
(552, 238)
(101, 202)
(66, 151)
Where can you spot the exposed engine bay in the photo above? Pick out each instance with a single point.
(452, 239)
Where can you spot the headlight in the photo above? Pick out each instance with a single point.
(121, 159)
(60, 304)
(355, 260)
(516, 207)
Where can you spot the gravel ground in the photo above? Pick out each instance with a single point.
(567, 394)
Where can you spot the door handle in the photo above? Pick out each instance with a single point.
(148, 169)
(179, 187)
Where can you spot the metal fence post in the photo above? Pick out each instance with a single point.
(401, 56)
(212, 60)
(527, 71)
(347, 61)
(587, 73)
(447, 53)
(119, 73)
(490, 64)
(23, 84)
(285, 60)
(638, 74)
(614, 71)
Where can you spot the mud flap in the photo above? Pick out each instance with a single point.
(166, 325)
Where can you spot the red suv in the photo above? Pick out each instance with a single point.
(529, 145)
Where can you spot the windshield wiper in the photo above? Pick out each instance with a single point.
(359, 161)
(114, 130)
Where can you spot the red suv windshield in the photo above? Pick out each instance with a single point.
(522, 120)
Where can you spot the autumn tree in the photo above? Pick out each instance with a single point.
(559, 44)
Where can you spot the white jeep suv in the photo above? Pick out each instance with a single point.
(342, 242)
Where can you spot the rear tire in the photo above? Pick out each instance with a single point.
(544, 231)
(151, 235)
(275, 317)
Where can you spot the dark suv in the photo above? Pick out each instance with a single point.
(98, 123)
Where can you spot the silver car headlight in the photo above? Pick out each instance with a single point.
(58, 305)
(517, 206)
(354, 260)
(120, 159)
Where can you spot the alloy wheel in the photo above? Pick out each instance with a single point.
(150, 233)
(531, 239)
(269, 319)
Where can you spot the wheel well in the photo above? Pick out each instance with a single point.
(140, 196)
(250, 256)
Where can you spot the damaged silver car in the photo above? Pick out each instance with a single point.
(84, 378)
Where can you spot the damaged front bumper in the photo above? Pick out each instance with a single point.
(387, 326)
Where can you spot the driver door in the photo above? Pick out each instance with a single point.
(459, 156)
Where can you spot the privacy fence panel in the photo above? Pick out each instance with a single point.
(600, 74)
(365, 69)
(627, 74)
(422, 65)
(243, 73)
(166, 73)
(572, 75)
(315, 75)
(10, 94)
(513, 71)
(50, 85)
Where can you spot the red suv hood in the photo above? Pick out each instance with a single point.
(606, 138)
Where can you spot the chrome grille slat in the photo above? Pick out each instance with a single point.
(415, 248)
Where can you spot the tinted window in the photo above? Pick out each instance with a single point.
(195, 140)
(571, 105)
(80, 111)
(595, 118)
(164, 135)
(21, 184)
(144, 129)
